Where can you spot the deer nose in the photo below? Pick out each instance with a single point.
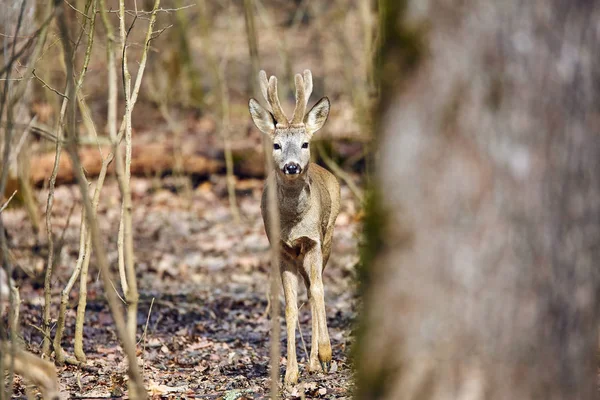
(292, 169)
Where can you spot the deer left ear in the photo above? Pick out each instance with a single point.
(316, 117)
(262, 118)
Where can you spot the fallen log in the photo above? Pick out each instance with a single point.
(147, 160)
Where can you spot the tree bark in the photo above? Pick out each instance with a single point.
(481, 267)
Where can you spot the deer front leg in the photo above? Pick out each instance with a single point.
(314, 365)
(289, 278)
(313, 265)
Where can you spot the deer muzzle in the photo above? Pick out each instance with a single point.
(292, 169)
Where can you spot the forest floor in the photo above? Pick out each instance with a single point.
(203, 281)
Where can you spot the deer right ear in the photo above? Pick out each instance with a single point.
(263, 119)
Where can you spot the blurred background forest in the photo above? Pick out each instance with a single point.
(200, 74)
(196, 164)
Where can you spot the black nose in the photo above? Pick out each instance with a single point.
(292, 168)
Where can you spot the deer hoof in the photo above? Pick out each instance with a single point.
(313, 365)
(291, 376)
(325, 356)
(326, 365)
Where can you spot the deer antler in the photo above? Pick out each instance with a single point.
(273, 100)
(304, 86)
(264, 84)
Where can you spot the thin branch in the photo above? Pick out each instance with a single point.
(145, 334)
(48, 86)
(142, 12)
(77, 10)
(301, 335)
(156, 34)
(49, 205)
(26, 46)
(7, 201)
(343, 175)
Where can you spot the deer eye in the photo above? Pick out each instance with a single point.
(276, 146)
(305, 145)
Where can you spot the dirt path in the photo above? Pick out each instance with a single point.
(204, 278)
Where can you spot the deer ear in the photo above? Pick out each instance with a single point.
(263, 119)
(316, 117)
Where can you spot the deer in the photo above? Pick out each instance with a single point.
(41, 373)
(308, 199)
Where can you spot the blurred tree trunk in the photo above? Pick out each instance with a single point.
(19, 98)
(252, 37)
(482, 238)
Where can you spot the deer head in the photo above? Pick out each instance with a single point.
(290, 137)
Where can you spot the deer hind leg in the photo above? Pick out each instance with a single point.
(313, 265)
(289, 278)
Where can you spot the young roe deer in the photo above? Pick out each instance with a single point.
(309, 202)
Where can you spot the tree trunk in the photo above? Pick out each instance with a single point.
(483, 281)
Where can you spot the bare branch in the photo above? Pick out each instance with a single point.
(84, 15)
(48, 86)
(7, 201)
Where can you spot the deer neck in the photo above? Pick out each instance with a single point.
(294, 197)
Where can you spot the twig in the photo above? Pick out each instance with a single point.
(117, 293)
(301, 335)
(49, 204)
(340, 173)
(88, 3)
(29, 42)
(7, 201)
(142, 12)
(145, 332)
(44, 84)
(77, 10)
(159, 32)
(37, 328)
